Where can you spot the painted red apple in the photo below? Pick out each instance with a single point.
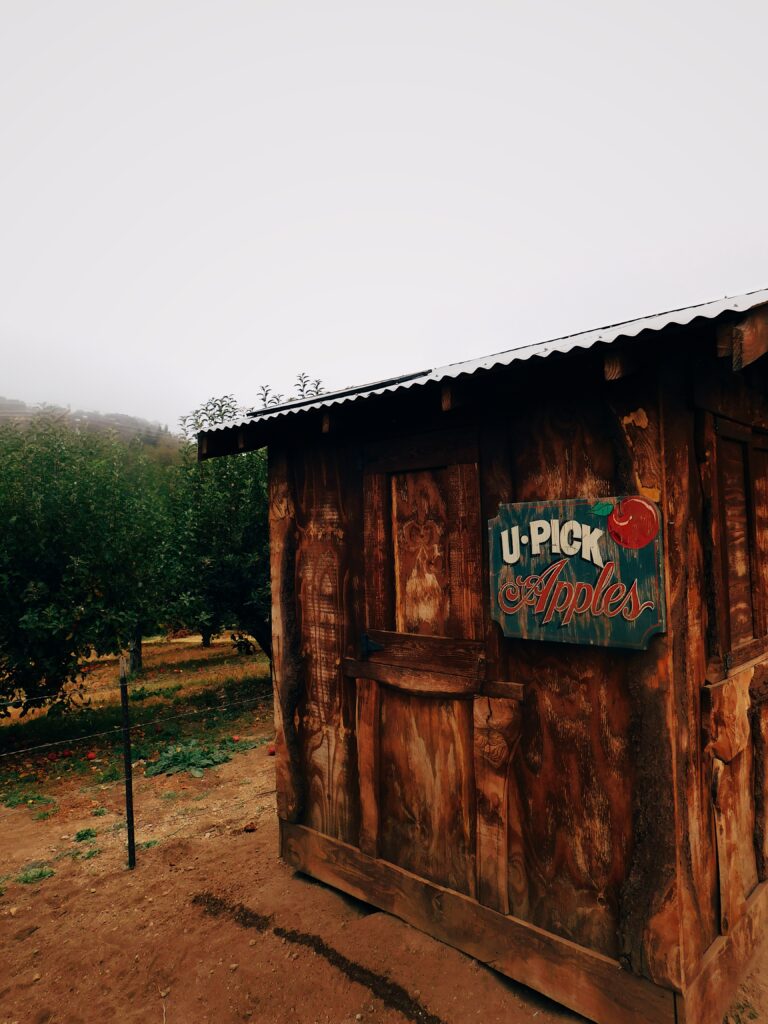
(633, 522)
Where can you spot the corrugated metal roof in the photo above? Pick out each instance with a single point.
(606, 335)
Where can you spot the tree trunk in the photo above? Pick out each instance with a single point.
(206, 635)
(135, 653)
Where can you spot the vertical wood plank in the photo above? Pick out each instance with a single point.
(736, 517)
(496, 488)
(732, 796)
(497, 733)
(329, 585)
(379, 603)
(286, 660)
(715, 575)
(368, 761)
(464, 552)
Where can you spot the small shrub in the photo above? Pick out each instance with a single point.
(85, 834)
(99, 812)
(148, 844)
(45, 815)
(93, 852)
(194, 757)
(31, 875)
(111, 774)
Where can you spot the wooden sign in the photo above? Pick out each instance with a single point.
(579, 572)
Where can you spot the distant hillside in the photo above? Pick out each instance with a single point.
(153, 435)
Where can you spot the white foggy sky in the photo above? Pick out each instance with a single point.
(198, 198)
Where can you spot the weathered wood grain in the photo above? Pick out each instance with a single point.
(497, 724)
(464, 538)
(287, 665)
(734, 479)
(732, 797)
(329, 767)
(570, 797)
(694, 897)
(329, 587)
(496, 488)
(591, 984)
(422, 681)
(435, 653)
(726, 715)
(377, 536)
(426, 788)
(710, 993)
(420, 552)
(746, 340)
(368, 731)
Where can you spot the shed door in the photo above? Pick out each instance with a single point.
(421, 658)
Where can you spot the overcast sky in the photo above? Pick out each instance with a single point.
(199, 198)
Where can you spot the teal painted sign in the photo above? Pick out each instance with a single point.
(579, 572)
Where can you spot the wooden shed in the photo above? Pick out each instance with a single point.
(520, 626)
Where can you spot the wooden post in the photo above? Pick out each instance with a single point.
(127, 762)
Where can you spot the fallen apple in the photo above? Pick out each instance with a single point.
(633, 522)
(271, 750)
(91, 755)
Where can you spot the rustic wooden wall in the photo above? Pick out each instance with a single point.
(580, 779)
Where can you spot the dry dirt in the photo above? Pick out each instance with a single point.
(212, 927)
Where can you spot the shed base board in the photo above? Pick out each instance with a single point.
(709, 995)
(589, 983)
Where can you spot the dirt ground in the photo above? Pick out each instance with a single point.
(212, 927)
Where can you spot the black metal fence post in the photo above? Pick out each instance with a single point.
(127, 762)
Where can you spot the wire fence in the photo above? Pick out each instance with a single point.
(262, 698)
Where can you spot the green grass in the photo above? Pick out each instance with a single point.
(110, 774)
(147, 844)
(21, 794)
(85, 834)
(144, 693)
(98, 812)
(90, 854)
(84, 721)
(31, 875)
(45, 815)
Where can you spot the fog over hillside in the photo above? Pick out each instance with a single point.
(127, 427)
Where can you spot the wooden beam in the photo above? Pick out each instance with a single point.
(504, 688)
(411, 680)
(434, 653)
(746, 340)
(587, 982)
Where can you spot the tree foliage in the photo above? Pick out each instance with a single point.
(221, 540)
(103, 543)
(85, 529)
